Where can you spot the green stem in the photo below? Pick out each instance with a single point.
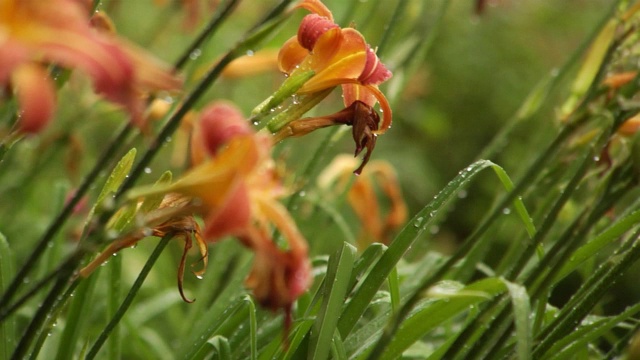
(207, 32)
(59, 221)
(129, 299)
(398, 14)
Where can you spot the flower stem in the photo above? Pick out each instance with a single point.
(59, 221)
(126, 303)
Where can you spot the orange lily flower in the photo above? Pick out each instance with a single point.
(337, 57)
(33, 33)
(236, 191)
(365, 200)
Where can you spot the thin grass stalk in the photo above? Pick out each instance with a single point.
(500, 304)
(398, 13)
(581, 229)
(527, 180)
(60, 220)
(499, 141)
(590, 299)
(218, 18)
(126, 303)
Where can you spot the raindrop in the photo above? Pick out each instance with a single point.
(168, 139)
(418, 222)
(506, 211)
(302, 194)
(256, 122)
(596, 158)
(433, 213)
(250, 53)
(147, 170)
(434, 229)
(462, 194)
(195, 54)
(199, 277)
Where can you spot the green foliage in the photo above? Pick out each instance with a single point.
(536, 262)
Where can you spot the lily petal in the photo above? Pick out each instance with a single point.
(336, 61)
(36, 96)
(316, 7)
(291, 55)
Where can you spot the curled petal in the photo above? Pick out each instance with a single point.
(385, 108)
(374, 71)
(316, 7)
(36, 96)
(291, 55)
(311, 28)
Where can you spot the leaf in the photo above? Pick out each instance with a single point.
(403, 241)
(430, 314)
(567, 347)
(117, 177)
(334, 292)
(522, 314)
(7, 326)
(592, 247)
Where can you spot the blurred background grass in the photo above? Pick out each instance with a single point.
(478, 72)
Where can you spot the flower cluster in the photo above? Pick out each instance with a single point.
(337, 56)
(35, 34)
(233, 186)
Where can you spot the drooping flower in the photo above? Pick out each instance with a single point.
(34, 34)
(337, 56)
(377, 185)
(234, 187)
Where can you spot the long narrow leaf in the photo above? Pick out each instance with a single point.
(335, 289)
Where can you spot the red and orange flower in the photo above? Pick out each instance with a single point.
(337, 56)
(34, 34)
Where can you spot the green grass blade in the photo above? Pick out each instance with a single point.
(517, 202)
(414, 228)
(592, 247)
(117, 177)
(431, 314)
(253, 328)
(337, 347)
(335, 290)
(79, 311)
(566, 348)
(126, 303)
(7, 326)
(522, 314)
(394, 289)
(221, 346)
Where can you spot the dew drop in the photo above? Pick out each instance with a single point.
(250, 53)
(418, 222)
(462, 194)
(506, 211)
(195, 54)
(147, 170)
